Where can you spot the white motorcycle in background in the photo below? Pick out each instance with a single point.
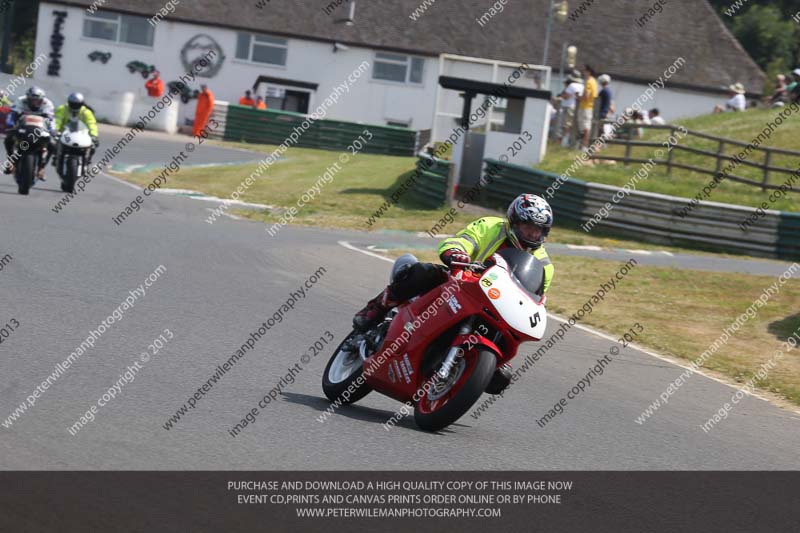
(74, 149)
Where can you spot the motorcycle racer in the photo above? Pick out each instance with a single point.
(525, 227)
(76, 107)
(36, 102)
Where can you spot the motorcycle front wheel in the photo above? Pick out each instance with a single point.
(342, 380)
(446, 401)
(71, 175)
(27, 173)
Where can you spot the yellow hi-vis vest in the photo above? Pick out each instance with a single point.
(482, 238)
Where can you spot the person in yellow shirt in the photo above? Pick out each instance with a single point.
(586, 105)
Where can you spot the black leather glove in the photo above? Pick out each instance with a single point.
(95, 141)
(454, 255)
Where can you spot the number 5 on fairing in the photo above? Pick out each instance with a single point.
(535, 320)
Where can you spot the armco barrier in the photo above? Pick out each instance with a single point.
(650, 216)
(244, 124)
(432, 177)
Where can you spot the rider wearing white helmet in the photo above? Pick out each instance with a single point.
(35, 102)
(526, 226)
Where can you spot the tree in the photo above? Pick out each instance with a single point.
(765, 29)
(766, 35)
(23, 31)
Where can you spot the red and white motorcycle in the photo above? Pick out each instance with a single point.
(442, 350)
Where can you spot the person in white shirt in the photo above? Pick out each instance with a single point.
(656, 118)
(737, 101)
(569, 98)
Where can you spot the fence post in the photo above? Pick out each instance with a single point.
(719, 159)
(767, 158)
(628, 147)
(669, 153)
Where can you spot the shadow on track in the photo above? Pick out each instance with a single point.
(359, 412)
(13, 186)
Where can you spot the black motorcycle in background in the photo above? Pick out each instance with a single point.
(32, 141)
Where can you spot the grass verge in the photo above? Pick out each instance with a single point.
(742, 127)
(352, 197)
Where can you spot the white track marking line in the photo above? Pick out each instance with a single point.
(171, 192)
(234, 217)
(127, 184)
(435, 236)
(667, 359)
(610, 338)
(584, 247)
(231, 203)
(365, 252)
(640, 252)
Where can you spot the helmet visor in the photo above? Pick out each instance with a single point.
(35, 102)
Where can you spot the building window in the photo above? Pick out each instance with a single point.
(118, 28)
(399, 68)
(261, 49)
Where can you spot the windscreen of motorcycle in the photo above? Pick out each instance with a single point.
(513, 302)
(76, 135)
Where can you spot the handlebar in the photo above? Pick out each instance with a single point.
(479, 267)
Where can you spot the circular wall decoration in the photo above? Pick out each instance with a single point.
(203, 55)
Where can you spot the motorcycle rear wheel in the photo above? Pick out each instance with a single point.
(26, 173)
(344, 371)
(451, 404)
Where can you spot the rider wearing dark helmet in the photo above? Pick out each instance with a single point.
(526, 226)
(34, 102)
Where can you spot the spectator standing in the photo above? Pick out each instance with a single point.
(606, 97)
(154, 86)
(656, 118)
(586, 105)
(573, 88)
(205, 105)
(737, 101)
(260, 104)
(247, 99)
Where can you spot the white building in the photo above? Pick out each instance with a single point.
(297, 51)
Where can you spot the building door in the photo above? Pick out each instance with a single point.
(296, 101)
(286, 95)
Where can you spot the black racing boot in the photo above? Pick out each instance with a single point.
(374, 312)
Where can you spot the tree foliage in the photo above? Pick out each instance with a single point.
(767, 29)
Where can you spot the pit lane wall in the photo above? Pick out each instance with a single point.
(649, 216)
(245, 124)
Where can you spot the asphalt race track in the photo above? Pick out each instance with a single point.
(71, 270)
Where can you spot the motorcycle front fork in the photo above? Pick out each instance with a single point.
(455, 351)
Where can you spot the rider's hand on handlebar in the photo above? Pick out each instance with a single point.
(454, 255)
